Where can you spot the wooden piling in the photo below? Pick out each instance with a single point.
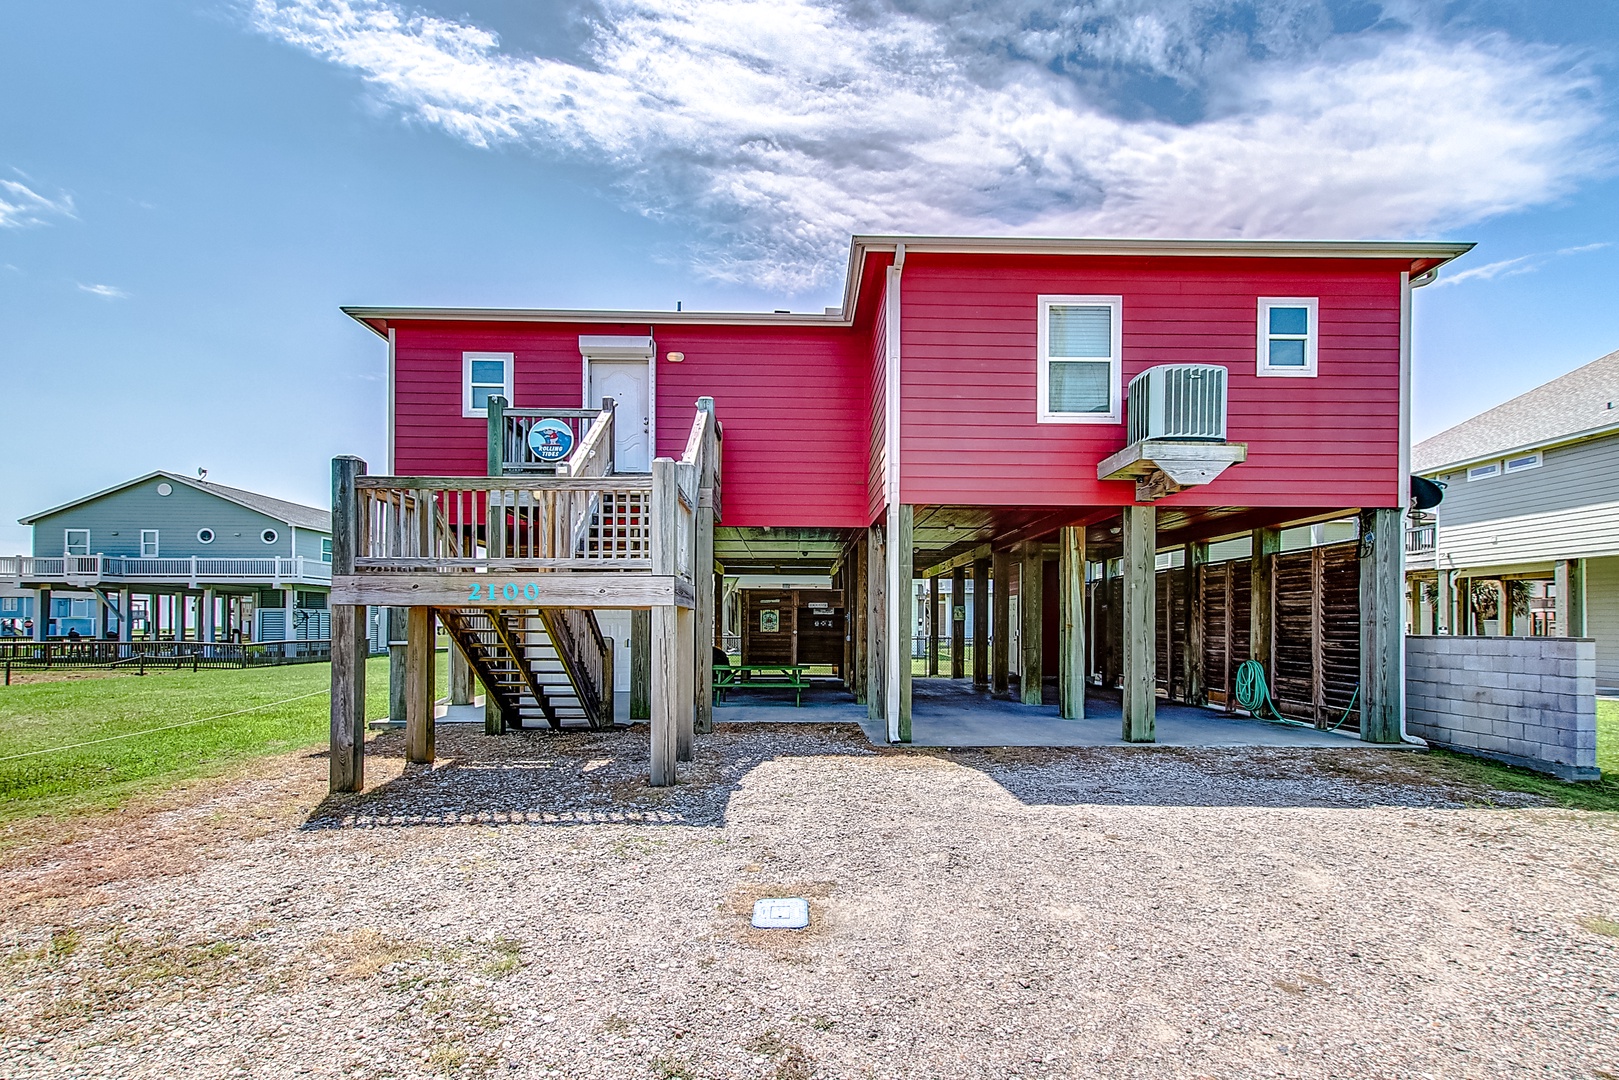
(1001, 636)
(346, 766)
(980, 623)
(958, 623)
(1031, 577)
(420, 696)
(1382, 625)
(1140, 685)
(1071, 625)
(1262, 600)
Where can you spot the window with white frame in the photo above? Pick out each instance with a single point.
(1079, 343)
(149, 543)
(76, 541)
(1522, 463)
(483, 376)
(1287, 336)
(326, 549)
(1484, 471)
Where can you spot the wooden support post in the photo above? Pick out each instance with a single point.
(42, 614)
(494, 718)
(668, 703)
(902, 556)
(1140, 637)
(1262, 601)
(460, 675)
(1568, 606)
(876, 618)
(420, 661)
(1382, 641)
(1031, 576)
(641, 664)
(346, 762)
(495, 462)
(1071, 627)
(1001, 612)
(1197, 557)
(686, 683)
(980, 623)
(930, 624)
(1318, 635)
(702, 562)
(856, 619)
(958, 623)
(394, 629)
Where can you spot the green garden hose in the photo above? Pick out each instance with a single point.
(1254, 695)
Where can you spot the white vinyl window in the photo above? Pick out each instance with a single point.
(1522, 462)
(76, 541)
(1485, 471)
(1080, 342)
(326, 549)
(149, 543)
(1287, 336)
(484, 375)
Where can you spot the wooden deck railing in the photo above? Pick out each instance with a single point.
(503, 523)
(510, 428)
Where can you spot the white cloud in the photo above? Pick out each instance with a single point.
(778, 127)
(106, 292)
(1522, 264)
(21, 205)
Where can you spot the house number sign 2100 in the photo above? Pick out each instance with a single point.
(509, 593)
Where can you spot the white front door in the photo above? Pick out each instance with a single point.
(627, 382)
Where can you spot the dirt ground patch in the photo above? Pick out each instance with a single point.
(528, 907)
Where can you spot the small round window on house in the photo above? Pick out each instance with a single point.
(205, 536)
(269, 536)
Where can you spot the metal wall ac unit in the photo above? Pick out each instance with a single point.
(1178, 401)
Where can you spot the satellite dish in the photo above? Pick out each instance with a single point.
(202, 473)
(1426, 494)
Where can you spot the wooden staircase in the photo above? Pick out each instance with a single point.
(540, 664)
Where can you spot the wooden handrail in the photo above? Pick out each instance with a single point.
(629, 482)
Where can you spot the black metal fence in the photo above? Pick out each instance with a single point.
(141, 655)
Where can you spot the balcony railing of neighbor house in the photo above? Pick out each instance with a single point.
(189, 570)
(1419, 539)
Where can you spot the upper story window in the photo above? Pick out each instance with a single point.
(148, 543)
(1484, 471)
(326, 549)
(1522, 462)
(1079, 343)
(1287, 336)
(76, 541)
(484, 375)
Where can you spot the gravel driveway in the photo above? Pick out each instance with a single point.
(529, 908)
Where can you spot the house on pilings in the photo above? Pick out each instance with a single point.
(1091, 426)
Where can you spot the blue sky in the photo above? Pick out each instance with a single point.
(188, 190)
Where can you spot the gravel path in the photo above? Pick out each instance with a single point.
(529, 908)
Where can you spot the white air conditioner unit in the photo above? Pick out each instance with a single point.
(1178, 401)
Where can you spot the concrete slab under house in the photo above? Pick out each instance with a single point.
(1009, 492)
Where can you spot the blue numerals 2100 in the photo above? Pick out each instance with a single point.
(511, 592)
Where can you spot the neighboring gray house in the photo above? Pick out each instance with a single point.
(174, 557)
(1526, 541)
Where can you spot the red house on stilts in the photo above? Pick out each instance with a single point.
(1128, 449)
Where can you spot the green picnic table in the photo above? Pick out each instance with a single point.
(760, 677)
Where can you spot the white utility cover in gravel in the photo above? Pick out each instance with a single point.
(790, 913)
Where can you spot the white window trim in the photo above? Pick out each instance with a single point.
(270, 536)
(1043, 361)
(212, 536)
(67, 541)
(326, 549)
(1522, 463)
(1493, 466)
(156, 547)
(509, 359)
(1312, 339)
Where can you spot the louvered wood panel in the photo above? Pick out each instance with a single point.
(1214, 581)
(1341, 636)
(1297, 630)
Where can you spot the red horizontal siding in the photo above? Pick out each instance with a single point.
(969, 432)
(792, 402)
(877, 414)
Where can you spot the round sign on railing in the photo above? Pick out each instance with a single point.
(550, 439)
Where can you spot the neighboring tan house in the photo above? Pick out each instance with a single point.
(172, 557)
(1531, 510)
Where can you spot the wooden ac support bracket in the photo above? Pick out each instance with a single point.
(1164, 466)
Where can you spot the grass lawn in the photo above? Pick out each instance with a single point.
(1601, 795)
(289, 710)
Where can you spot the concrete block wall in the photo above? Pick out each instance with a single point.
(1524, 701)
